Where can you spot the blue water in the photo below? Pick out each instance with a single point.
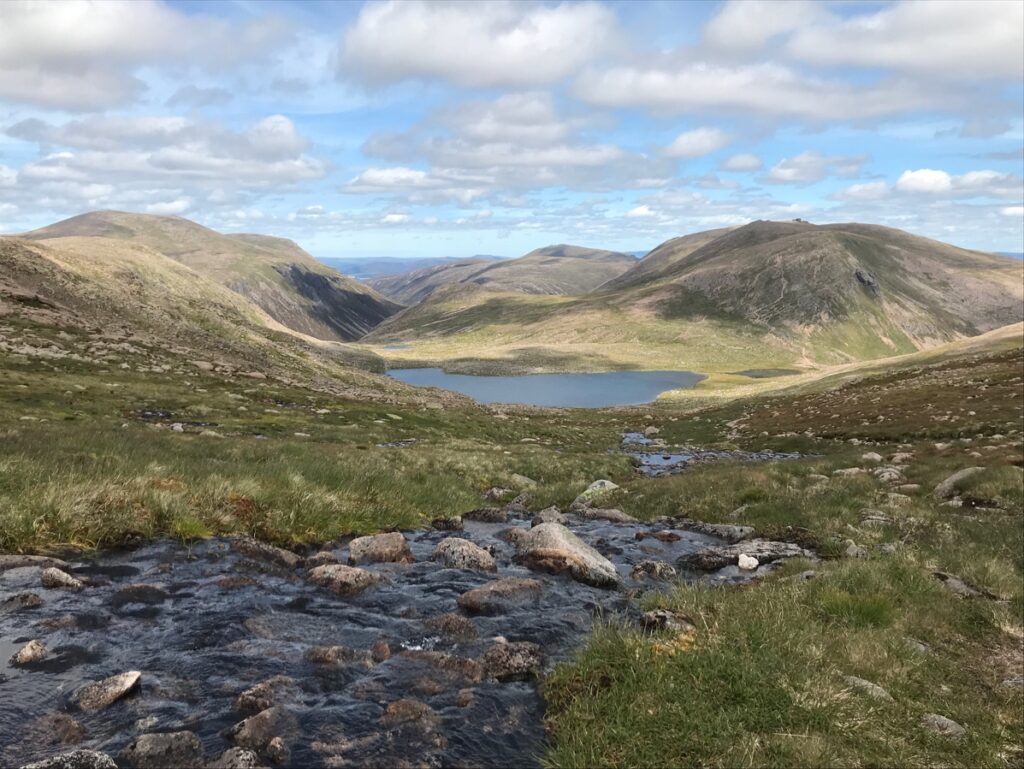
(612, 388)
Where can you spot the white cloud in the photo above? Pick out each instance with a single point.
(697, 143)
(170, 208)
(395, 218)
(640, 212)
(497, 43)
(1013, 211)
(810, 167)
(925, 180)
(743, 162)
(865, 191)
(947, 40)
(747, 25)
(524, 118)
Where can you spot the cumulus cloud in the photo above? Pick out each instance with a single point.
(497, 43)
(939, 184)
(745, 26)
(810, 167)
(697, 143)
(80, 55)
(743, 162)
(926, 180)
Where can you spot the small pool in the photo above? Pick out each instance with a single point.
(610, 388)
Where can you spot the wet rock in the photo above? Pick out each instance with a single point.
(278, 690)
(464, 698)
(487, 515)
(101, 694)
(650, 431)
(452, 625)
(235, 581)
(747, 562)
(553, 548)
(549, 515)
(765, 551)
(663, 619)
(22, 561)
(512, 660)
(605, 514)
(338, 655)
(54, 729)
(947, 489)
(449, 664)
(448, 524)
(731, 534)
(661, 536)
(408, 710)
(380, 651)
(257, 731)
(513, 535)
(21, 602)
(322, 558)
(277, 751)
(947, 727)
(462, 554)
(55, 579)
(264, 552)
(867, 687)
(77, 759)
(493, 597)
(140, 593)
(164, 751)
(658, 570)
(33, 651)
(496, 493)
(343, 580)
(237, 758)
(380, 548)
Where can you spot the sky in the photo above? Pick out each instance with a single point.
(458, 128)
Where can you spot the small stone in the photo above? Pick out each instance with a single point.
(487, 515)
(597, 489)
(868, 688)
(164, 751)
(33, 651)
(257, 731)
(602, 514)
(343, 580)
(409, 710)
(380, 548)
(522, 481)
(454, 625)
(493, 597)
(21, 602)
(458, 553)
(237, 758)
(277, 690)
(322, 558)
(277, 751)
(663, 619)
(100, 694)
(1017, 682)
(464, 698)
(515, 660)
(909, 488)
(453, 523)
(55, 579)
(549, 515)
(21, 561)
(77, 759)
(747, 562)
(380, 651)
(658, 570)
(947, 727)
(262, 551)
(553, 548)
(338, 655)
(853, 550)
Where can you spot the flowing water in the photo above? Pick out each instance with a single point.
(610, 388)
(654, 461)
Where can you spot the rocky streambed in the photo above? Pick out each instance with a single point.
(406, 649)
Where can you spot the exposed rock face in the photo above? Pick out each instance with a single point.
(256, 732)
(492, 597)
(947, 489)
(765, 551)
(33, 651)
(731, 534)
(264, 552)
(553, 548)
(100, 694)
(507, 661)
(343, 580)
(380, 548)
(21, 561)
(462, 554)
(164, 751)
(54, 579)
(274, 691)
(76, 759)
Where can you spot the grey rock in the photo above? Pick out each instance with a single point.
(522, 481)
(889, 474)
(236, 758)
(100, 694)
(21, 602)
(853, 550)
(493, 597)
(947, 727)
(549, 515)
(171, 750)
(731, 534)
(658, 570)
(264, 552)
(380, 548)
(56, 579)
(22, 561)
(321, 558)
(453, 523)
(553, 548)
(867, 687)
(512, 660)
(1017, 682)
(663, 619)
(343, 580)
(962, 588)
(76, 759)
(605, 514)
(33, 651)
(458, 553)
(947, 489)
(496, 493)
(765, 551)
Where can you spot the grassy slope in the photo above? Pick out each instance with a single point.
(783, 294)
(289, 284)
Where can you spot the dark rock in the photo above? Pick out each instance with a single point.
(447, 524)
(654, 570)
(765, 551)
(171, 750)
(20, 602)
(867, 687)
(264, 552)
(140, 593)
(494, 596)
(77, 759)
(512, 660)
(495, 493)
(453, 625)
(661, 536)
(947, 489)
(278, 690)
(487, 515)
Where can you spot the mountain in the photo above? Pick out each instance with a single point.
(555, 270)
(792, 293)
(291, 286)
(373, 267)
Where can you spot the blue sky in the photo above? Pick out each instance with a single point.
(436, 129)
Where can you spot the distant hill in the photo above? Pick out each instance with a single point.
(556, 270)
(291, 286)
(372, 267)
(788, 293)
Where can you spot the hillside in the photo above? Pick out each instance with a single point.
(291, 286)
(555, 270)
(784, 293)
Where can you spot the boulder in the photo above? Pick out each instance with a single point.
(512, 660)
(658, 570)
(549, 515)
(458, 553)
(100, 694)
(169, 750)
(278, 690)
(889, 474)
(872, 457)
(257, 731)
(947, 489)
(55, 579)
(261, 550)
(76, 759)
(448, 524)
(380, 548)
(338, 655)
(343, 580)
(765, 551)
(553, 548)
(494, 596)
(496, 493)
(596, 490)
(947, 727)
(22, 561)
(33, 651)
